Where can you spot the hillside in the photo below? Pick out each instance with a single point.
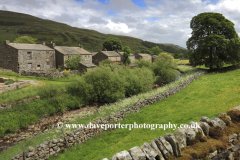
(14, 25)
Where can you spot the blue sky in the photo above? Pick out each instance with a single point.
(159, 21)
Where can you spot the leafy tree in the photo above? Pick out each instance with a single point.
(126, 54)
(105, 62)
(156, 50)
(143, 63)
(164, 68)
(214, 41)
(73, 62)
(25, 39)
(112, 44)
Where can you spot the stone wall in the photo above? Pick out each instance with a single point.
(47, 74)
(69, 139)
(15, 85)
(171, 146)
(9, 57)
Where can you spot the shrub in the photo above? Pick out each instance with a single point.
(143, 63)
(163, 68)
(107, 84)
(73, 62)
(105, 62)
(48, 91)
(101, 85)
(137, 80)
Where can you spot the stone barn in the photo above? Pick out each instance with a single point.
(20, 57)
(102, 55)
(143, 56)
(84, 66)
(64, 53)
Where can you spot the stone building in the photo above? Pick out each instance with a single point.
(143, 56)
(64, 53)
(102, 55)
(20, 57)
(131, 57)
(84, 66)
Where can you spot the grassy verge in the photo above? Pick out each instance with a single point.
(103, 112)
(207, 96)
(31, 91)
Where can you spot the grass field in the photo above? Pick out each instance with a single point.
(32, 90)
(104, 111)
(207, 96)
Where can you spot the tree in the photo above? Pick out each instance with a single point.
(126, 54)
(25, 39)
(73, 62)
(112, 44)
(214, 41)
(156, 50)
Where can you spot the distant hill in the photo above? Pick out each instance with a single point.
(14, 25)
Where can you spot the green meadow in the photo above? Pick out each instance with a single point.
(208, 95)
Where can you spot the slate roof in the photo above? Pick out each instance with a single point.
(123, 52)
(144, 55)
(87, 64)
(25, 46)
(71, 50)
(110, 53)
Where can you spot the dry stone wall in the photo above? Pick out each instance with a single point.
(170, 146)
(15, 85)
(47, 74)
(69, 139)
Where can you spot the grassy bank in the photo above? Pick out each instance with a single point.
(207, 96)
(104, 111)
(32, 90)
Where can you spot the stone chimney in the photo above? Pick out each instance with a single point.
(52, 45)
(43, 43)
(6, 42)
(105, 50)
(80, 45)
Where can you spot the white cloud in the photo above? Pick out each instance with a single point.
(172, 24)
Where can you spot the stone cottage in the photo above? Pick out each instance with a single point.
(84, 66)
(64, 53)
(102, 55)
(143, 56)
(20, 57)
(131, 57)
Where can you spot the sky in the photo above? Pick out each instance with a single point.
(159, 21)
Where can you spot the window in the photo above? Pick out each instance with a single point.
(38, 67)
(69, 57)
(29, 55)
(88, 57)
(48, 64)
(85, 58)
(29, 66)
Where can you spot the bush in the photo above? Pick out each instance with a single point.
(73, 62)
(163, 68)
(107, 84)
(143, 63)
(100, 85)
(48, 91)
(105, 62)
(137, 80)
